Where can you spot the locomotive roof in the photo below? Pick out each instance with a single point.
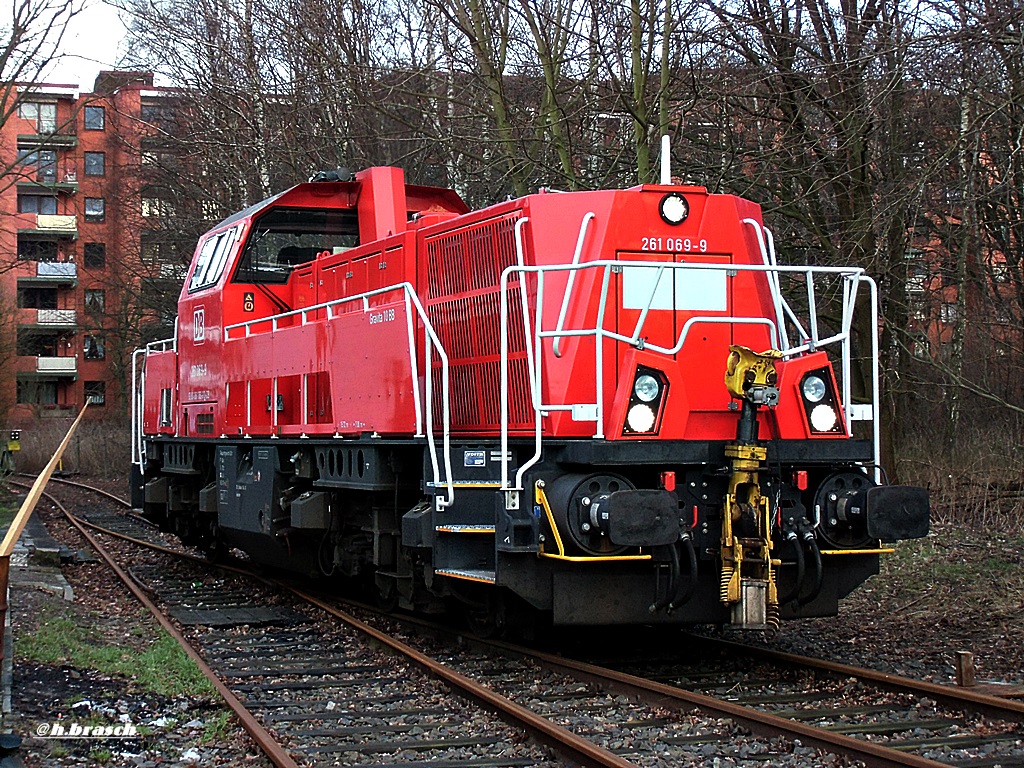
(344, 194)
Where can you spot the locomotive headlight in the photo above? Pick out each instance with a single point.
(823, 418)
(646, 388)
(814, 389)
(640, 418)
(674, 209)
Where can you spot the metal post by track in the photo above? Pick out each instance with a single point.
(21, 519)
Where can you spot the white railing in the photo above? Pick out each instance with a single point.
(64, 365)
(138, 399)
(139, 389)
(535, 333)
(57, 269)
(422, 405)
(56, 317)
(56, 222)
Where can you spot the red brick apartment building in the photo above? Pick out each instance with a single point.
(73, 216)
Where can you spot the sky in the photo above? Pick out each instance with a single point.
(93, 41)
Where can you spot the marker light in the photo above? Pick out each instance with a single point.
(640, 418)
(814, 389)
(823, 418)
(646, 388)
(674, 209)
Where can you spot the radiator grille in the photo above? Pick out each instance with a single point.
(464, 305)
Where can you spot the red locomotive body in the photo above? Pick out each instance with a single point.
(552, 402)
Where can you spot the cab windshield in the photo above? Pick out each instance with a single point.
(284, 238)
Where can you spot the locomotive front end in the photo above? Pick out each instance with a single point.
(661, 489)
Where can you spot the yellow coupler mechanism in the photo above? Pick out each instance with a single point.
(748, 570)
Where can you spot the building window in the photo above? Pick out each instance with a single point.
(95, 255)
(32, 343)
(37, 250)
(156, 206)
(95, 209)
(155, 250)
(40, 165)
(37, 204)
(95, 348)
(95, 163)
(157, 114)
(948, 313)
(95, 300)
(95, 392)
(32, 297)
(35, 392)
(94, 118)
(44, 115)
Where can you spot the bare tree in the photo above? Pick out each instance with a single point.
(30, 40)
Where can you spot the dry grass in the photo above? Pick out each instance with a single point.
(977, 480)
(99, 449)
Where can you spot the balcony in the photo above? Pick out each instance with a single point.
(57, 318)
(57, 222)
(51, 224)
(49, 180)
(49, 140)
(173, 271)
(58, 411)
(56, 274)
(58, 270)
(57, 366)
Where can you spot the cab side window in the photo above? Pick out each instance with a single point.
(212, 257)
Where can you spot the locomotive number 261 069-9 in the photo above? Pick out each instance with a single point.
(679, 244)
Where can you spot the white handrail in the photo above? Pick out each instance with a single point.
(773, 279)
(137, 403)
(432, 343)
(587, 218)
(851, 277)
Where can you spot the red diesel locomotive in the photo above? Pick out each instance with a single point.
(555, 403)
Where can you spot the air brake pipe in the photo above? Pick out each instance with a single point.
(816, 559)
(673, 579)
(801, 570)
(683, 594)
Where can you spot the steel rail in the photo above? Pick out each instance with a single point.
(561, 739)
(874, 755)
(263, 738)
(763, 723)
(1006, 709)
(99, 491)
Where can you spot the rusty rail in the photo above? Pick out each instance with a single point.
(263, 738)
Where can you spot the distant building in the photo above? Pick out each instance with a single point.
(73, 243)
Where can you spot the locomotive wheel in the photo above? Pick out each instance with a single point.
(216, 549)
(487, 620)
(386, 594)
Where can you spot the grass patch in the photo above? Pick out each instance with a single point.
(218, 728)
(8, 509)
(163, 668)
(945, 568)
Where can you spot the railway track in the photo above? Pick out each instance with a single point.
(313, 689)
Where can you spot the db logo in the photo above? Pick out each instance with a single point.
(199, 325)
